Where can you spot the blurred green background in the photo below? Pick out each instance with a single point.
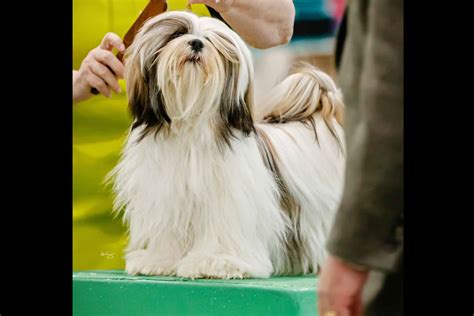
(99, 129)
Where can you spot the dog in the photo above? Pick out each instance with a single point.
(210, 185)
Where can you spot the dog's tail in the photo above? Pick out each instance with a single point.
(303, 94)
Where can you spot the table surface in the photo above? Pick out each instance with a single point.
(116, 293)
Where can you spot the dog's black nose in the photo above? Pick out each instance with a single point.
(196, 45)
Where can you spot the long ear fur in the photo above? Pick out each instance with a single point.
(236, 107)
(146, 102)
(235, 111)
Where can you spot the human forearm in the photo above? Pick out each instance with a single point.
(78, 88)
(368, 227)
(262, 23)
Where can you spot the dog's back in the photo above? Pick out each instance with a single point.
(302, 142)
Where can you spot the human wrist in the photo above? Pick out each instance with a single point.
(74, 86)
(78, 87)
(354, 266)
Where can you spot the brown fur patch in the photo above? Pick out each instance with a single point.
(295, 251)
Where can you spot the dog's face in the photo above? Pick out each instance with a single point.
(182, 69)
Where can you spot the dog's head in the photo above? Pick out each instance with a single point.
(182, 69)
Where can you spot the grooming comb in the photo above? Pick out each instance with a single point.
(153, 8)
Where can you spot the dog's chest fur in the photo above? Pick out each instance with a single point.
(190, 186)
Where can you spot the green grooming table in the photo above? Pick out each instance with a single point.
(116, 293)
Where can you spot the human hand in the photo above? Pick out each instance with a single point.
(101, 70)
(340, 288)
(220, 6)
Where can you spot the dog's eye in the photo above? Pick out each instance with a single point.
(176, 35)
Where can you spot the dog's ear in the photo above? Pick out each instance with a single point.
(145, 98)
(235, 110)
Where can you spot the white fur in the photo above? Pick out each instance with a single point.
(314, 175)
(198, 209)
(190, 205)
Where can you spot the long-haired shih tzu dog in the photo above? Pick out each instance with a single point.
(209, 187)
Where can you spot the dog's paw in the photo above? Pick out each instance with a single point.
(212, 267)
(141, 262)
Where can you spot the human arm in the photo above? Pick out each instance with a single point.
(262, 24)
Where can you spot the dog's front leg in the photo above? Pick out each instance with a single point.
(225, 256)
(159, 258)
